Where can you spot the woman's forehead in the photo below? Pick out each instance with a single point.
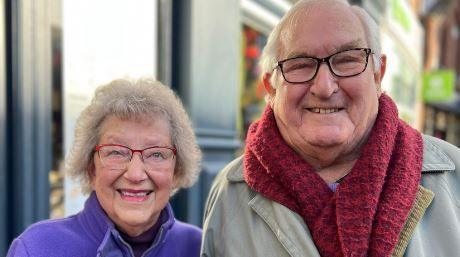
(150, 128)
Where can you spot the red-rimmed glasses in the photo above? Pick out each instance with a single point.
(115, 156)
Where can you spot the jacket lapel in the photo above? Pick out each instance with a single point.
(288, 227)
(434, 161)
(422, 201)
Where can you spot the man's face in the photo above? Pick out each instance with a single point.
(328, 113)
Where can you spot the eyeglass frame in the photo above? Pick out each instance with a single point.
(97, 148)
(320, 61)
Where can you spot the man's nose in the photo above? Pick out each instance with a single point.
(135, 171)
(325, 83)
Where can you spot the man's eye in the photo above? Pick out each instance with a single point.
(300, 66)
(296, 65)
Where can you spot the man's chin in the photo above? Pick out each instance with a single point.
(326, 139)
(325, 142)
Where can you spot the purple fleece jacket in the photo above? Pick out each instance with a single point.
(92, 233)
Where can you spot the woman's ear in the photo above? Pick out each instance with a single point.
(176, 181)
(91, 170)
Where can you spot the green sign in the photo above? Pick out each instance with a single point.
(438, 86)
(400, 14)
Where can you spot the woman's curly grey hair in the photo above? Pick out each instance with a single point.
(134, 99)
(271, 52)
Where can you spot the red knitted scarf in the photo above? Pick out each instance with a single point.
(364, 217)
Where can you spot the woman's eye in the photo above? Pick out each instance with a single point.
(156, 155)
(115, 153)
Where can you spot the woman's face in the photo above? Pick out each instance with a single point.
(133, 197)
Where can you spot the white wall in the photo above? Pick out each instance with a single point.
(103, 40)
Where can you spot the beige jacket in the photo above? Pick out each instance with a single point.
(239, 222)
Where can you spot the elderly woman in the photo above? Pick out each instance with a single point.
(133, 149)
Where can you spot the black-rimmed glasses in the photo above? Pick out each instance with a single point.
(118, 157)
(346, 63)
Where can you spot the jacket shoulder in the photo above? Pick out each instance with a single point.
(60, 237)
(233, 172)
(187, 231)
(437, 232)
(184, 240)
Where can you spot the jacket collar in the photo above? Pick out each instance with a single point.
(102, 230)
(434, 158)
(94, 220)
(236, 175)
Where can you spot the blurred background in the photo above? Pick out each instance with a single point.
(54, 53)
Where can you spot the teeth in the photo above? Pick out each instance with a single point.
(324, 110)
(134, 194)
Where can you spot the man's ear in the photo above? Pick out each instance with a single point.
(378, 76)
(268, 87)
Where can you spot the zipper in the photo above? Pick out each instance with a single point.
(158, 239)
(126, 244)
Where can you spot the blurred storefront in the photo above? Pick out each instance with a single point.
(402, 41)
(252, 90)
(259, 17)
(442, 68)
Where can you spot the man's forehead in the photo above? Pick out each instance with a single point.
(321, 29)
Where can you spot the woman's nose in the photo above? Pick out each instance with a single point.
(135, 171)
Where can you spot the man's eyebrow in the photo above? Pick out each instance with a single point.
(349, 45)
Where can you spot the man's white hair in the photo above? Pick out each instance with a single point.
(271, 53)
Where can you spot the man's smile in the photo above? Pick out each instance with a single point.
(324, 110)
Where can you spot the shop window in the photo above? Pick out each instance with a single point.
(253, 92)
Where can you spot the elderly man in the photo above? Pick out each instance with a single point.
(329, 169)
